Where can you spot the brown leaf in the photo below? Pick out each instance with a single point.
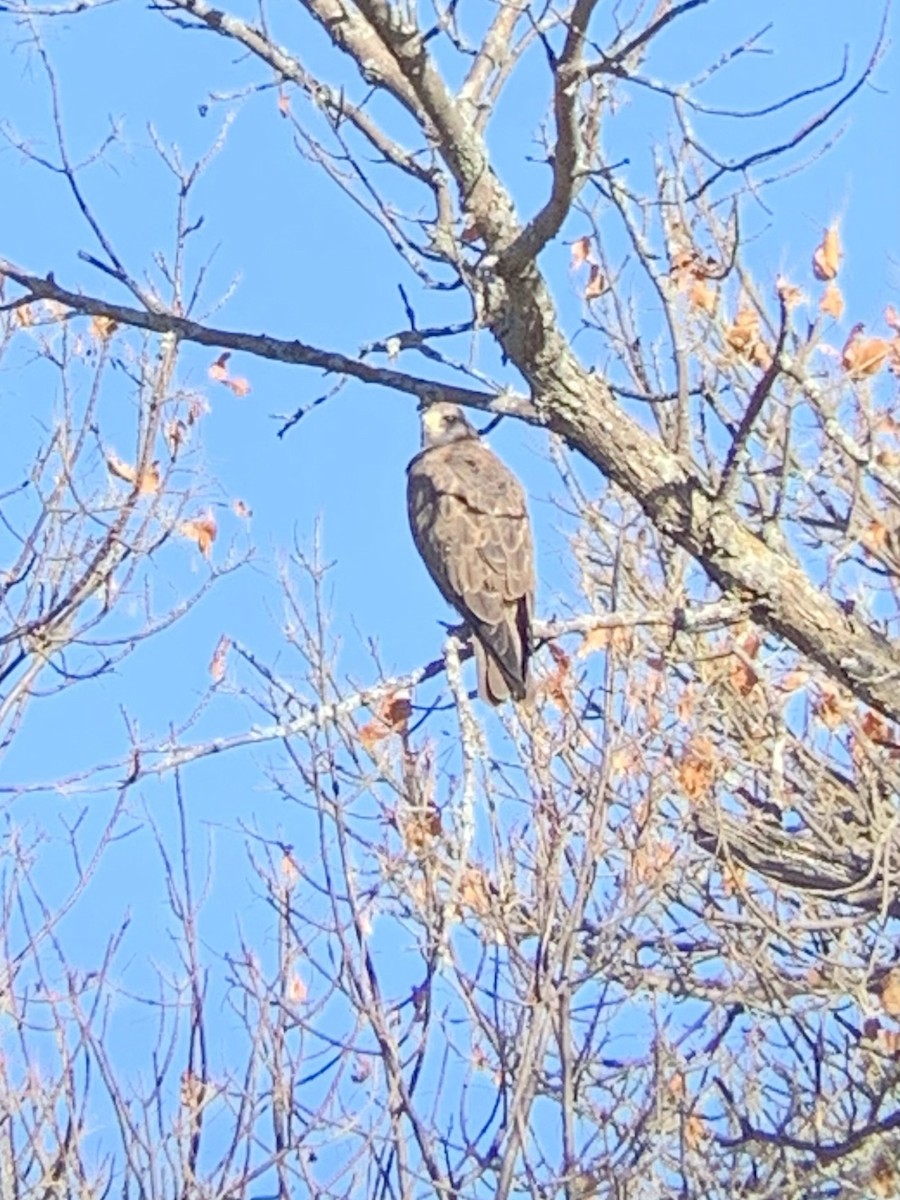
(284, 103)
(24, 315)
(890, 992)
(892, 319)
(596, 284)
(827, 256)
(102, 328)
(703, 296)
(150, 478)
(743, 333)
(696, 770)
(694, 1132)
(419, 827)
(296, 990)
(219, 658)
(219, 369)
(239, 386)
(875, 536)
(290, 872)
(863, 356)
(392, 717)
(240, 509)
(581, 252)
(474, 891)
(828, 708)
(202, 531)
(832, 302)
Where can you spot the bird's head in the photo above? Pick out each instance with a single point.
(443, 423)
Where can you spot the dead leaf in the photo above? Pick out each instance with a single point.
(392, 717)
(892, 319)
(202, 531)
(219, 369)
(150, 477)
(594, 640)
(290, 872)
(828, 708)
(884, 1179)
(240, 509)
(890, 992)
(875, 536)
(219, 658)
(419, 827)
(24, 316)
(694, 1132)
(284, 103)
(556, 685)
(581, 252)
(827, 255)
(703, 296)
(474, 891)
(832, 302)
(596, 284)
(696, 770)
(102, 328)
(239, 386)
(296, 990)
(742, 335)
(863, 356)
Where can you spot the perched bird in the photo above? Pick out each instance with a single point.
(470, 524)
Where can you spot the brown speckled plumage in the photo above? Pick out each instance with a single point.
(469, 520)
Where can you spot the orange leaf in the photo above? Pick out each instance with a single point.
(832, 302)
(102, 328)
(864, 356)
(890, 992)
(827, 255)
(596, 284)
(392, 717)
(420, 827)
(743, 333)
(284, 103)
(219, 658)
(696, 770)
(202, 531)
(24, 315)
(290, 872)
(219, 369)
(296, 990)
(703, 296)
(891, 318)
(581, 251)
(239, 386)
(150, 478)
(875, 536)
(828, 709)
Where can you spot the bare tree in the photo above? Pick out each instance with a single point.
(636, 939)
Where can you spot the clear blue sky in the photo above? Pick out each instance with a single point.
(311, 266)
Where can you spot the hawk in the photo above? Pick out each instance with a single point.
(470, 524)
